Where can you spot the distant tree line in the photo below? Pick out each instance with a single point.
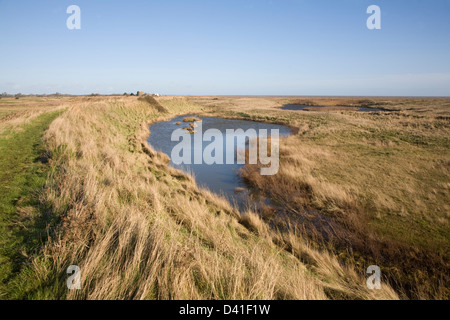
(141, 94)
(20, 95)
(57, 94)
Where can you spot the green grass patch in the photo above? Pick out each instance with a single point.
(23, 172)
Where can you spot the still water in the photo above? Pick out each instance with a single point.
(298, 107)
(219, 178)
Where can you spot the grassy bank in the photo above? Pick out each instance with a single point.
(139, 229)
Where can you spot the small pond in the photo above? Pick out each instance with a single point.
(302, 107)
(219, 178)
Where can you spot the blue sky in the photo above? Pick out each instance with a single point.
(226, 47)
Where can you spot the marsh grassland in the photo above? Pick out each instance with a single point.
(353, 189)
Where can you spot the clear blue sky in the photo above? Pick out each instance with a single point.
(236, 47)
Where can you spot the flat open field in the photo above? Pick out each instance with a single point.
(380, 179)
(393, 164)
(368, 188)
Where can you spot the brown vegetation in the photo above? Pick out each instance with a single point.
(371, 187)
(353, 189)
(139, 229)
(191, 119)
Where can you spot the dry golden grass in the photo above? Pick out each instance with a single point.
(139, 229)
(373, 185)
(14, 113)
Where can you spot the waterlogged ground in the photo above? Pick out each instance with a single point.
(219, 178)
(302, 107)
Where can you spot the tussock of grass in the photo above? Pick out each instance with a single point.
(191, 119)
